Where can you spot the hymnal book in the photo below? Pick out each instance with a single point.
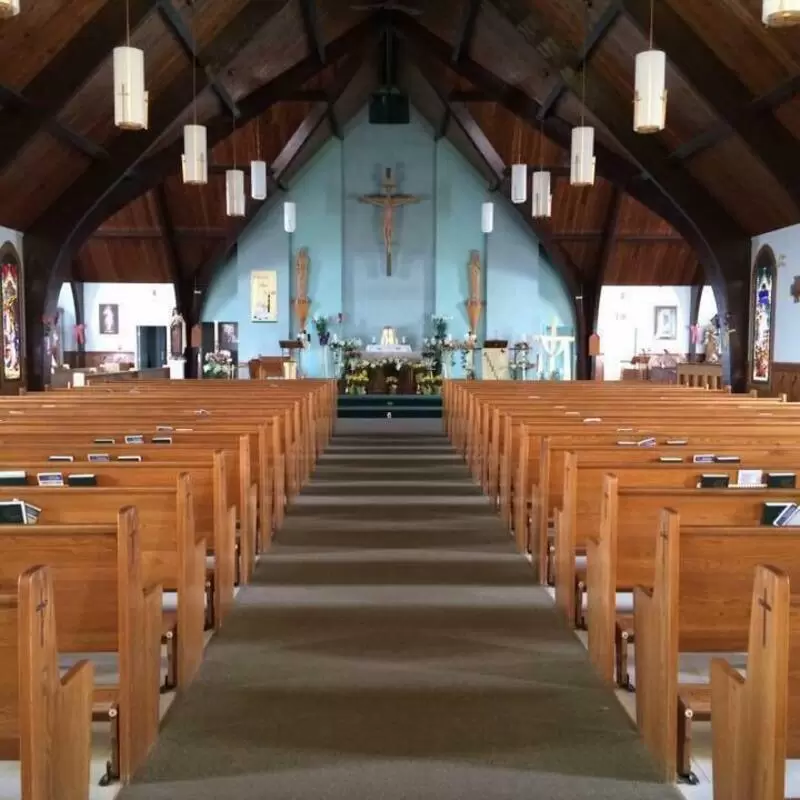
(162, 440)
(183, 430)
(703, 458)
(135, 438)
(790, 518)
(650, 441)
(105, 440)
(83, 479)
(50, 479)
(749, 479)
(129, 458)
(670, 460)
(593, 419)
(626, 443)
(13, 477)
(677, 442)
(98, 457)
(18, 512)
(203, 411)
(572, 413)
(68, 459)
(781, 480)
(163, 428)
(771, 511)
(728, 459)
(714, 481)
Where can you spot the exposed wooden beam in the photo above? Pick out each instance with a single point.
(607, 242)
(308, 11)
(156, 233)
(470, 96)
(444, 124)
(183, 36)
(164, 217)
(631, 238)
(774, 146)
(65, 74)
(593, 40)
(469, 16)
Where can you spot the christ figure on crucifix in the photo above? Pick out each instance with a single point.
(388, 200)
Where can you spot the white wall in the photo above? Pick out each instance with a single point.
(67, 305)
(786, 244)
(15, 237)
(139, 304)
(626, 322)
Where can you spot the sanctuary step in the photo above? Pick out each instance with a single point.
(400, 406)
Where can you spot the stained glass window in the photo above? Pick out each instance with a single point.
(763, 313)
(9, 292)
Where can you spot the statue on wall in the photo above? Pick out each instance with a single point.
(474, 302)
(177, 336)
(301, 301)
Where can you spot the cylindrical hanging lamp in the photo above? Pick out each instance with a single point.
(130, 97)
(289, 217)
(195, 154)
(487, 217)
(258, 180)
(542, 198)
(780, 13)
(650, 98)
(234, 193)
(582, 161)
(9, 8)
(519, 183)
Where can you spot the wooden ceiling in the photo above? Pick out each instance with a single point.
(500, 79)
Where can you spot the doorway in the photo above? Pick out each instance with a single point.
(151, 343)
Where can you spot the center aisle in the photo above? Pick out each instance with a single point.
(393, 645)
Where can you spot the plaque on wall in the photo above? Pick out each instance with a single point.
(228, 339)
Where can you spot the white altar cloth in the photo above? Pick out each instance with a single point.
(389, 350)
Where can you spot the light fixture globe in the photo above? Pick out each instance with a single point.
(234, 193)
(9, 8)
(258, 180)
(289, 217)
(130, 97)
(519, 183)
(542, 197)
(195, 155)
(650, 92)
(780, 13)
(487, 217)
(582, 160)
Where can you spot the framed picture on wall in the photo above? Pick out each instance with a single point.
(109, 319)
(666, 323)
(228, 336)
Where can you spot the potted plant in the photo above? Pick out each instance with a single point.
(218, 364)
(323, 331)
(391, 384)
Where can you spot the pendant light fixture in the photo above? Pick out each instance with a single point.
(9, 8)
(541, 195)
(194, 161)
(289, 217)
(487, 217)
(258, 170)
(130, 97)
(650, 88)
(582, 160)
(235, 201)
(519, 175)
(780, 13)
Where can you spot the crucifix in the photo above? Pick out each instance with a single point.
(765, 607)
(40, 607)
(388, 199)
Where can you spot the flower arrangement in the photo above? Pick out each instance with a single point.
(322, 329)
(218, 364)
(440, 326)
(391, 384)
(429, 384)
(356, 382)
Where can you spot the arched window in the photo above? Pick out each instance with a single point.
(12, 321)
(762, 315)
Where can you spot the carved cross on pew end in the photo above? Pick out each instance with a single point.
(765, 609)
(40, 608)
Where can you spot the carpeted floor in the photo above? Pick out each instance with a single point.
(393, 646)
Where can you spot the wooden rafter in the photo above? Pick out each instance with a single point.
(316, 47)
(64, 75)
(774, 146)
(168, 236)
(469, 16)
(183, 36)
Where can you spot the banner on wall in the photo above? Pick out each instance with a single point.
(9, 291)
(264, 295)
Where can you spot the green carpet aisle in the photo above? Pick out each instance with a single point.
(392, 646)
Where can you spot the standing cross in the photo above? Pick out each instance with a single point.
(388, 200)
(765, 607)
(40, 607)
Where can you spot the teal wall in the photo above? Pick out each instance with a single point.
(432, 244)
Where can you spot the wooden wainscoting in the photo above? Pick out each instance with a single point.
(786, 380)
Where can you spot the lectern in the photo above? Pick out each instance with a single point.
(288, 349)
(494, 360)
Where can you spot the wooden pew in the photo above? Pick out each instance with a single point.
(173, 555)
(582, 497)
(756, 724)
(45, 720)
(699, 602)
(622, 554)
(102, 605)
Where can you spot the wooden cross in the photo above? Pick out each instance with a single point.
(765, 607)
(388, 200)
(40, 607)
